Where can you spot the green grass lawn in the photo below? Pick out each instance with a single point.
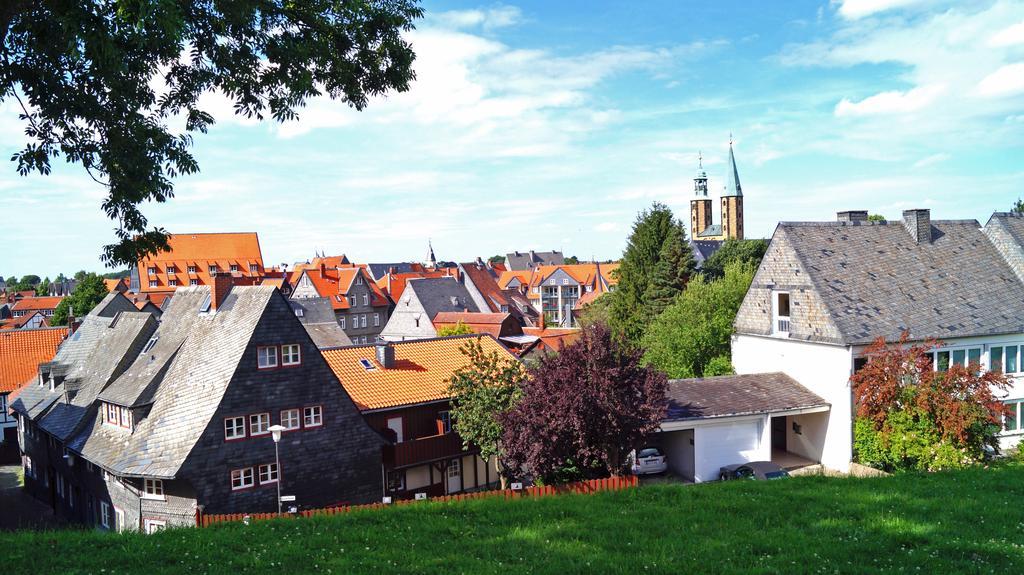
(970, 521)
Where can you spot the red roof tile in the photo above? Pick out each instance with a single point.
(420, 374)
(36, 303)
(201, 251)
(21, 352)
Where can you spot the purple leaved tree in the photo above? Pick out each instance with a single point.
(583, 410)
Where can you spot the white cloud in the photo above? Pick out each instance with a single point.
(1007, 80)
(891, 102)
(490, 18)
(854, 9)
(931, 160)
(1008, 36)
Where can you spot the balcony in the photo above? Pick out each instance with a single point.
(425, 450)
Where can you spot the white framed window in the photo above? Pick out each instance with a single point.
(454, 468)
(153, 283)
(944, 358)
(154, 525)
(366, 299)
(152, 270)
(446, 420)
(359, 280)
(780, 312)
(234, 427)
(234, 267)
(126, 418)
(119, 519)
(242, 479)
(105, 514)
(351, 301)
(172, 282)
(253, 268)
(259, 424)
(192, 269)
(268, 473)
(172, 269)
(193, 282)
(1004, 358)
(291, 354)
(266, 356)
(313, 416)
(290, 419)
(395, 424)
(154, 488)
(111, 414)
(341, 322)
(213, 269)
(376, 320)
(1012, 422)
(362, 320)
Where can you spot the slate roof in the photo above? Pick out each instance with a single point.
(877, 281)
(438, 295)
(711, 231)
(21, 352)
(420, 374)
(379, 270)
(190, 389)
(320, 322)
(703, 249)
(729, 395)
(527, 260)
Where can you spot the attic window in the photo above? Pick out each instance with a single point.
(205, 306)
(359, 280)
(367, 364)
(234, 267)
(455, 300)
(150, 344)
(299, 312)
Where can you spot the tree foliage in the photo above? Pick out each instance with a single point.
(482, 392)
(583, 410)
(89, 291)
(912, 417)
(733, 250)
(674, 268)
(496, 259)
(572, 260)
(656, 232)
(696, 329)
(100, 82)
(876, 218)
(1018, 207)
(458, 329)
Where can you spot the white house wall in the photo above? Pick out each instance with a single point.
(823, 369)
(809, 443)
(679, 454)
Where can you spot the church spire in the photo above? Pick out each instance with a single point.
(732, 176)
(430, 254)
(700, 183)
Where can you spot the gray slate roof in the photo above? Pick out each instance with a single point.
(877, 281)
(320, 322)
(441, 294)
(526, 260)
(711, 231)
(191, 388)
(378, 271)
(703, 249)
(729, 395)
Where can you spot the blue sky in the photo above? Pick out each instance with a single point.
(540, 125)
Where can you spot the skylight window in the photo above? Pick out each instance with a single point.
(150, 344)
(367, 364)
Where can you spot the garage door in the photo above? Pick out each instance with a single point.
(719, 445)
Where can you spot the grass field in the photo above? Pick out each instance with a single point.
(970, 521)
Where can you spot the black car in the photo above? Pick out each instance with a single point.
(761, 470)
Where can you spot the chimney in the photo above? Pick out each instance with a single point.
(323, 269)
(385, 354)
(919, 224)
(220, 289)
(852, 216)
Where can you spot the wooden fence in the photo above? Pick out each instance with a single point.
(591, 486)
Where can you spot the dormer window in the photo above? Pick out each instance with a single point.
(191, 269)
(213, 269)
(117, 416)
(152, 270)
(234, 267)
(253, 268)
(154, 489)
(780, 312)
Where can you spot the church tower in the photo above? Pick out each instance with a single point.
(700, 205)
(732, 201)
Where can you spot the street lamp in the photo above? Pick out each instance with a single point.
(275, 434)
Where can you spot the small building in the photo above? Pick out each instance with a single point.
(21, 353)
(360, 307)
(717, 421)
(525, 261)
(194, 259)
(421, 301)
(499, 325)
(402, 390)
(45, 305)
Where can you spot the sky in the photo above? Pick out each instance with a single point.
(550, 125)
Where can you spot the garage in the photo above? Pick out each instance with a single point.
(717, 421)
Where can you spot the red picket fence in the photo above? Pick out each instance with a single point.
(591, 486)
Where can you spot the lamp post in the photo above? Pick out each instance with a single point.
(275, 433)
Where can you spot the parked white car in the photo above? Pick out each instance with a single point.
(648, 460)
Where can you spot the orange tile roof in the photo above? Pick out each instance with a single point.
(486, 285)
(489, 323)
(21, 352)
(335, 283)
(420, 374)
(201, 251)
(554, 338)
(34, 303)
(114, 284)
(19, 322)
(506, 277)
